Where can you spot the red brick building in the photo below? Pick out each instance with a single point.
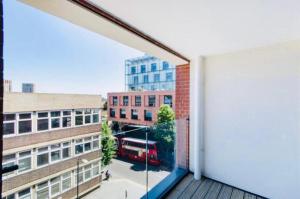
(138, 107)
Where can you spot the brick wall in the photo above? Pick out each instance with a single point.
(182, 102)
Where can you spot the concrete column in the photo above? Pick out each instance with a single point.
(196, 115)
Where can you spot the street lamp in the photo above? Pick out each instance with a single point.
(78, 162)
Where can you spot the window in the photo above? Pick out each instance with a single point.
(112, 112)
(134, 114)
(43, 190)
(78, 117)
(86, 144)
(151, 100)
(153, 67)
(43, 156)
(42, 121)
(165, 65)
(169, 76)
(125, 100)
(153, 87)
(24, 123)
(146, 79)
(24, 161)
(87, 116)
(147, 115)
(133, 70)
(55, 119)
(55, 186)
(25, 194)
(168, 100)
(156, 77)
(115, 100)
(66, 119)
(87, 172)
(9, 122)
(95, 115)
(123, 113)
(138, 100)
(66, 181)
(9, 160)
(55, 152)
(135, 80)
(66, 150)
(143, 68)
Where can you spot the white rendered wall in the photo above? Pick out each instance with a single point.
(252, 119)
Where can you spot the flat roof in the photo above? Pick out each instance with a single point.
(22, 102)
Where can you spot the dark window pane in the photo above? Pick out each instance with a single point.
(55, 155)
(88, 111)
(8, 117)
(42, 124)
(87, 146)
(78, 149)
(55, 123)
(95, 144)
(66, 121)
(78, 120)
(55, 114)
(78, 112)
(24, 126)
(66, 112)
(25, 116)
(42, 159)
(87, 119)
(45, 114)
(8, 128)
(24, 164)
(95, 118)
(66, 152)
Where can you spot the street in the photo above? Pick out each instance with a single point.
(128, 179)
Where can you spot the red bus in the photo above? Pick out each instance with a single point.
(135, 149)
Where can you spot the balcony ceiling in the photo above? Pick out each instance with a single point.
(203, 27)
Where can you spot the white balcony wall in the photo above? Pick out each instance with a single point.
(252, 120)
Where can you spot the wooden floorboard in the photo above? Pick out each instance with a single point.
(225, 192)
(207, 189)
(202, 189)
(214, 191)
(177, 191)
(249, 196)
(237, 194)
(190, 190)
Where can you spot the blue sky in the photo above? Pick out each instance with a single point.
(60, 57)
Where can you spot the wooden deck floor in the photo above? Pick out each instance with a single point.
(207, 189)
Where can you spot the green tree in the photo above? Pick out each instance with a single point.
(164, 132)
(108, 145)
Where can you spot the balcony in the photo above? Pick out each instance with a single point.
(237, 94)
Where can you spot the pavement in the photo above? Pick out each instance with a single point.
(128, 180)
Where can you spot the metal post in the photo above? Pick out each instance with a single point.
(147, 162)
(77, 188)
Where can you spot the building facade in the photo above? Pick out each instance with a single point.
(7, 86)
(46, 135)
(28, 88)
(138, 107)
(149, 73)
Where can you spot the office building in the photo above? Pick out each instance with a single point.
(46, 135)
(149, 73)
(139, 107)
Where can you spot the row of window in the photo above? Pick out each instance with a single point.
(60, 184)
(134, 114)
(133, 69)
(152, 86)
(49, 154)
(21, 123)
(138, 100)
(135, 79)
